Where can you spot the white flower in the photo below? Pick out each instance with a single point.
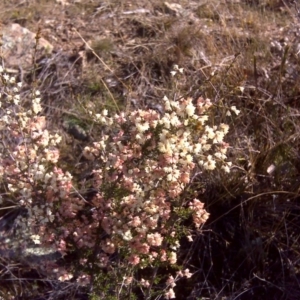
(39, 172)
(48, 176)
(173, 176)
(218, 137)
(176, 67)
(127, 236)
(187, 273)
(235, 110)
(142, 127)
(224, 128)
(162, 147)
(175, 121)
(170, 294)
(167, 105)
(203, 119)
(12, 80)
(206, 147)
(165, 121)
(36, 107)
(25, 192)
(65, 277)
(12, 188)
(190, 238)
(210, 132)
(175, 105)
(167, 169)
(190, 109)
(36, 239)
(189, 158)
(56, 138)
(226, 168)
(210, 164)
(218, 155)
(197, 148)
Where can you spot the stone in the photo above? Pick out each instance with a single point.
(18, 44)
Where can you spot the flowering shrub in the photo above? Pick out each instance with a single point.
(143, 164)
(29, 176)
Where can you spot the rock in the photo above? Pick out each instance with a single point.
(63, 2)
(76, 131)
(18, 45)
(173, 8)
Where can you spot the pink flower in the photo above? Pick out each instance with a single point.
(141, 248)
(38, 123)
(171, 281)
(52, 155)
(84, 280)
(185, 177)
(127, 280)
(154, 239)
(145, 283)
(134, 259)
(163, 256)
(170, 294)
(187, 273)
(136, 221)
(200, 215)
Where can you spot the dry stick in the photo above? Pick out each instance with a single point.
(279, 79)
(35, 48)
(105, 65)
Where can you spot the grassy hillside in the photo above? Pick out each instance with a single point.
(119, 56)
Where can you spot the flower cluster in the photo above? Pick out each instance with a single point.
(171, 282)
(29, 176)
(145, 164)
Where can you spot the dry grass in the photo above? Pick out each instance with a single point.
(250, 246)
